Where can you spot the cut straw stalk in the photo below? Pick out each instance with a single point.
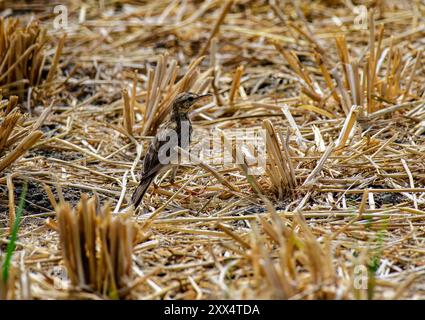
(13, 101)
(20, 59)
(162, 90)
(7, 126)
(313, 176)
(235, 84)
(360, 76)
(225, 9)
(344, 56)
(280, 277)
(308, 86)
(23, 146)
(22, 52)
(412, 75)
(280, 169)
(128, 111)
(326, 75)
(56, 57)
(239, 157)
(371, 63)
(233, 235)
(97, 248)
(293, 125)
(347, 128)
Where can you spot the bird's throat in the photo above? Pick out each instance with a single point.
(184, 130)
(178, 116)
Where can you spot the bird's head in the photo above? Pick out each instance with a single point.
(186, 100)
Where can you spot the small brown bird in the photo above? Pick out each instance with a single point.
(176, 130)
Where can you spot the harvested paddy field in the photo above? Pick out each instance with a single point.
(309, 182)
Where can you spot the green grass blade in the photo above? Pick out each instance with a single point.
(14, 235)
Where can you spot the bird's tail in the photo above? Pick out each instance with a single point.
(140, 191)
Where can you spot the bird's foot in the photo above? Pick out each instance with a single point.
(192, 192)
(173, 175)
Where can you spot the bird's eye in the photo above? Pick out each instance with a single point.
(190, 99)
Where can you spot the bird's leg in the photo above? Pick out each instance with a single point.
(173, 174)
(155, 186)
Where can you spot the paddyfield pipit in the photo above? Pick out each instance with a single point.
(175, 131)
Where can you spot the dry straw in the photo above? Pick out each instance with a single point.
(15, 140)
(97, 248)
(17, 285)
(342, 107)
(289, 264)
(23, 58)
(162, 88)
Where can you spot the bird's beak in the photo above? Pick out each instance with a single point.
(203, 98)
(200, 100)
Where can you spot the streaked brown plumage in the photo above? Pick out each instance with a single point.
(178, 122)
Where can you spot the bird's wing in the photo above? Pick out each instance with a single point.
(152, 164)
